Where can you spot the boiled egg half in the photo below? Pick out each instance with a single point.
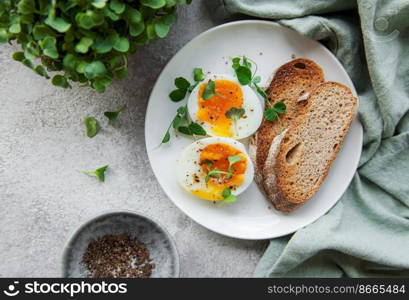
(229, 95)
(207, 167)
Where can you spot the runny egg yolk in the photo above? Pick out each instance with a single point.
(216, 157)
(213, 110)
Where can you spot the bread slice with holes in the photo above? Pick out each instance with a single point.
(292, 84)
(300, 157)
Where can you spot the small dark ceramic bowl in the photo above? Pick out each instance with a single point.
(159, 242)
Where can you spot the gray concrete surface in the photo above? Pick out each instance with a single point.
(45, 197)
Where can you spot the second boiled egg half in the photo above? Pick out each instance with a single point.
(234, 111)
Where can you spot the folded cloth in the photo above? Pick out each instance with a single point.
(366, 234)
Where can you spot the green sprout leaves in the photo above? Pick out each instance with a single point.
(113, 115)
(26, 7)
(235, 113)
(227, 194)
(216, 173)
(155, 4)
(182, 124)
(233, 159)
(87, 42)
(95, 69)
(58, 24)
(49, 47)
(98, 173)
(243, 70)
(117, 6)
(181, 121)
(210, 91)
(99, 3)
(58, 80)
(198, 74)
(84, 45)
(91, 127)
(273, 111)
(184, 86)
(196, 129)
(163, 24)
(228, 197)
(166, 137)
(243, 75)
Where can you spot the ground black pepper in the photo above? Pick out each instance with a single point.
(118, 256)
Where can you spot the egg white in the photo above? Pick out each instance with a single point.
(245, 127)
(189, 164)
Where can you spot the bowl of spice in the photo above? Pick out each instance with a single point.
(120, 245)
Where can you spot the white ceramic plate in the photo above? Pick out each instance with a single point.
(270, 45)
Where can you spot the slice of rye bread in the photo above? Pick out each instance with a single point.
(300, 157)
(292, 84)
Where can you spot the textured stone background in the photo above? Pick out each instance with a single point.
(45, 197)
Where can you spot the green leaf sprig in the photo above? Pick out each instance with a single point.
(210, 91)
(274, 110)
(87, 42)
(243, 69)
(113, 115)
(98, 173)
(198, 76)
(183, 85)
(182, 123)
(179, 94)
(235, 113)
(228, 197)
(216, 173)
(91, 126)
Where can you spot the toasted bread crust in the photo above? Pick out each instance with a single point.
(292, 83)
(289, 190)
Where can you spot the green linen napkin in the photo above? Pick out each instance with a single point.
(366, 234)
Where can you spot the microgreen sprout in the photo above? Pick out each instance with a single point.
(98, 173)
(181, 121)
(243, 69)
(228, 197)
(235, 113)
(183, 85)
(182, 124)
(86, 42)
(210, 91)
(216, 173)
(91, 126)
(113, 115)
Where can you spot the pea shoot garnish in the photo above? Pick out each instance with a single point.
(113, 115)
(98, 173)
(198, 75)
(216, 173)
(183, 85)
(235, 113)
(182, 124)
(210, 91)
(274, 110)
(243, 69)
(181, 121)
(232, 160)
(91, 126)
(228, 197)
